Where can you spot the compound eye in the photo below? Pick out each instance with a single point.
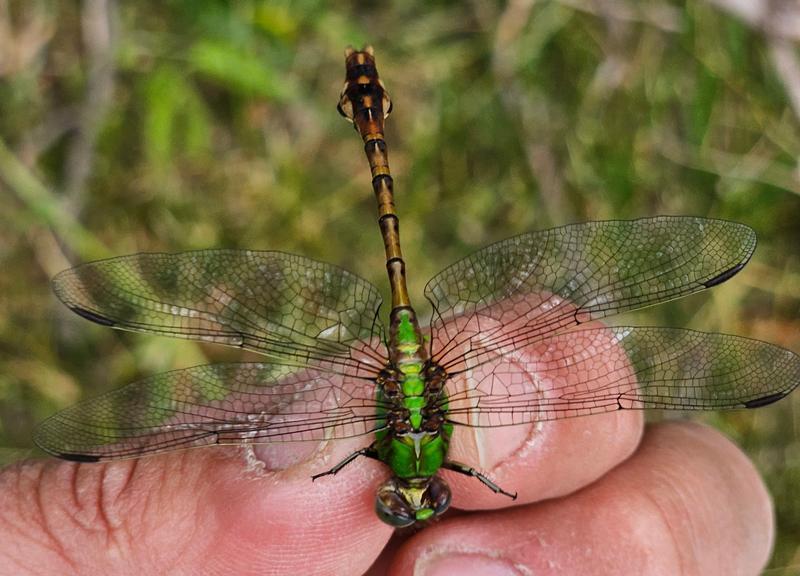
(391, 506)
(345, 108)
(438, 495)
(387, 105)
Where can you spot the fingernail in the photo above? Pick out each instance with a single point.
(500, 443)
(475, 564)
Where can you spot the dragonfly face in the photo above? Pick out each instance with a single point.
(330, 370)
(402, 503)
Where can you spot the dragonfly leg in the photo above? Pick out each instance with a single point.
(469, 471)
(369, 452)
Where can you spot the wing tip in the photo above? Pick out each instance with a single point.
(765, 400)
(93, 316)
(39, 438)
(727, 275)
(77, 457)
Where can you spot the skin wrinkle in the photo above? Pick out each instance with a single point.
(73, 485)
(109, 499)
(149, 502)
(137, 512)
(85, 509)
(672, 531)
(132, 471)
(152, 501)
(83, 486)
(200, 509)
(120, 534)
(193, 534)
(18, 488)
(88, 485)
(14, 524)
(106, 504)
(137, 515)
(52, 542)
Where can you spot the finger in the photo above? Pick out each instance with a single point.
(196, 512)
(688, 502)
(551, 458)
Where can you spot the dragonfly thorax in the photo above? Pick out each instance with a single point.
(414, 399)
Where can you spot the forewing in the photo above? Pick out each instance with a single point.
(285, 306)
(589, 371)
(215, 404)
(555, 279)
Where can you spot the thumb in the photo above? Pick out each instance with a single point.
(195, 512)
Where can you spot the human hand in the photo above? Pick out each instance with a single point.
(596, 496)
(687, 501)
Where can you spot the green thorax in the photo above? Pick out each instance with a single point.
(415, 437)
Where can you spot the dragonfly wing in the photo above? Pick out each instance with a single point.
(589, 371)
(288, 307)
(552, 280)
(215, 404)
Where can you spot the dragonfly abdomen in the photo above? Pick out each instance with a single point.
(412, 452)
(365, 102)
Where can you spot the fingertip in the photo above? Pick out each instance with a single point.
(288, 522)
(687, 498)
(710, 488)
(199, 511)
(556, 455)
(555, 459)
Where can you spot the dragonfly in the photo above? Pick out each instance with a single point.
(332, 369)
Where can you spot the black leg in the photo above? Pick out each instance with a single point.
(467, 471)
(369, 452)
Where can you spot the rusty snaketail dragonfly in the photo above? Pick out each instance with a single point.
(332, 370)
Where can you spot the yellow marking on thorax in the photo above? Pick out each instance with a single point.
(408, 349)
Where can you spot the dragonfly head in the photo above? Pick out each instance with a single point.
(401, 503)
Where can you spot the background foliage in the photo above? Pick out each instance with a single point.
(181, 124)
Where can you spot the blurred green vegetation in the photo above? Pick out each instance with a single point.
(182, 124)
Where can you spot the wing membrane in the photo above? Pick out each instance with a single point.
(215, 404)
(287, 307)
(555, 279)
(589, 371)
